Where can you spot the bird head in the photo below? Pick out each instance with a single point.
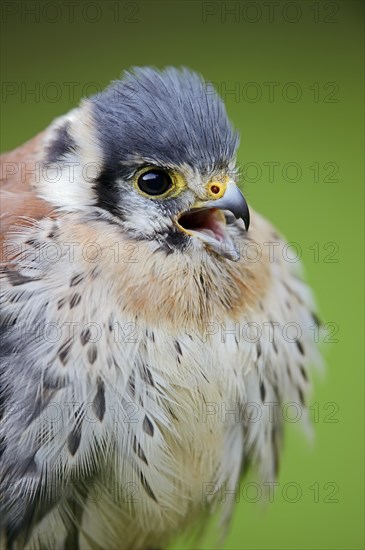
(155, 154)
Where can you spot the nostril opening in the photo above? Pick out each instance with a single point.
(215, 189)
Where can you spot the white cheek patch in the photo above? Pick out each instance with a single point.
(143, 216)
(69, 182)
(144, 224)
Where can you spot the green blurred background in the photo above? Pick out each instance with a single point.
(291, 74)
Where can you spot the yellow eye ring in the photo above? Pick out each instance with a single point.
(157, 183)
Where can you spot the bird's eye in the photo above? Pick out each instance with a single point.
(154, 182)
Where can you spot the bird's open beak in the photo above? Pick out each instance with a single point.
(234, 201)
(208, 221)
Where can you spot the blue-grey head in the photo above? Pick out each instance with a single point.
(155, 153)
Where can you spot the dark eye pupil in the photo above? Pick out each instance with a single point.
(154, 182)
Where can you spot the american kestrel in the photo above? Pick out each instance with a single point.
(153, 329)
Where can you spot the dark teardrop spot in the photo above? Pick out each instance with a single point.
(178, 347)
(262, 391)
(92, 354)
(259, 350)
(148, 426)
(64, 351)
(74, 438)
(301, 396)
(300, 346)
(76, 279)
(85, 336)
(61, 303)
(139, 451)
(132, 385)
(304, 374)
(147, 375)
(147, 487)
(17, 279)
(99, 400)
(75, 300)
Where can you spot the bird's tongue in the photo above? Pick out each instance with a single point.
(209, 224)
(208, 221)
